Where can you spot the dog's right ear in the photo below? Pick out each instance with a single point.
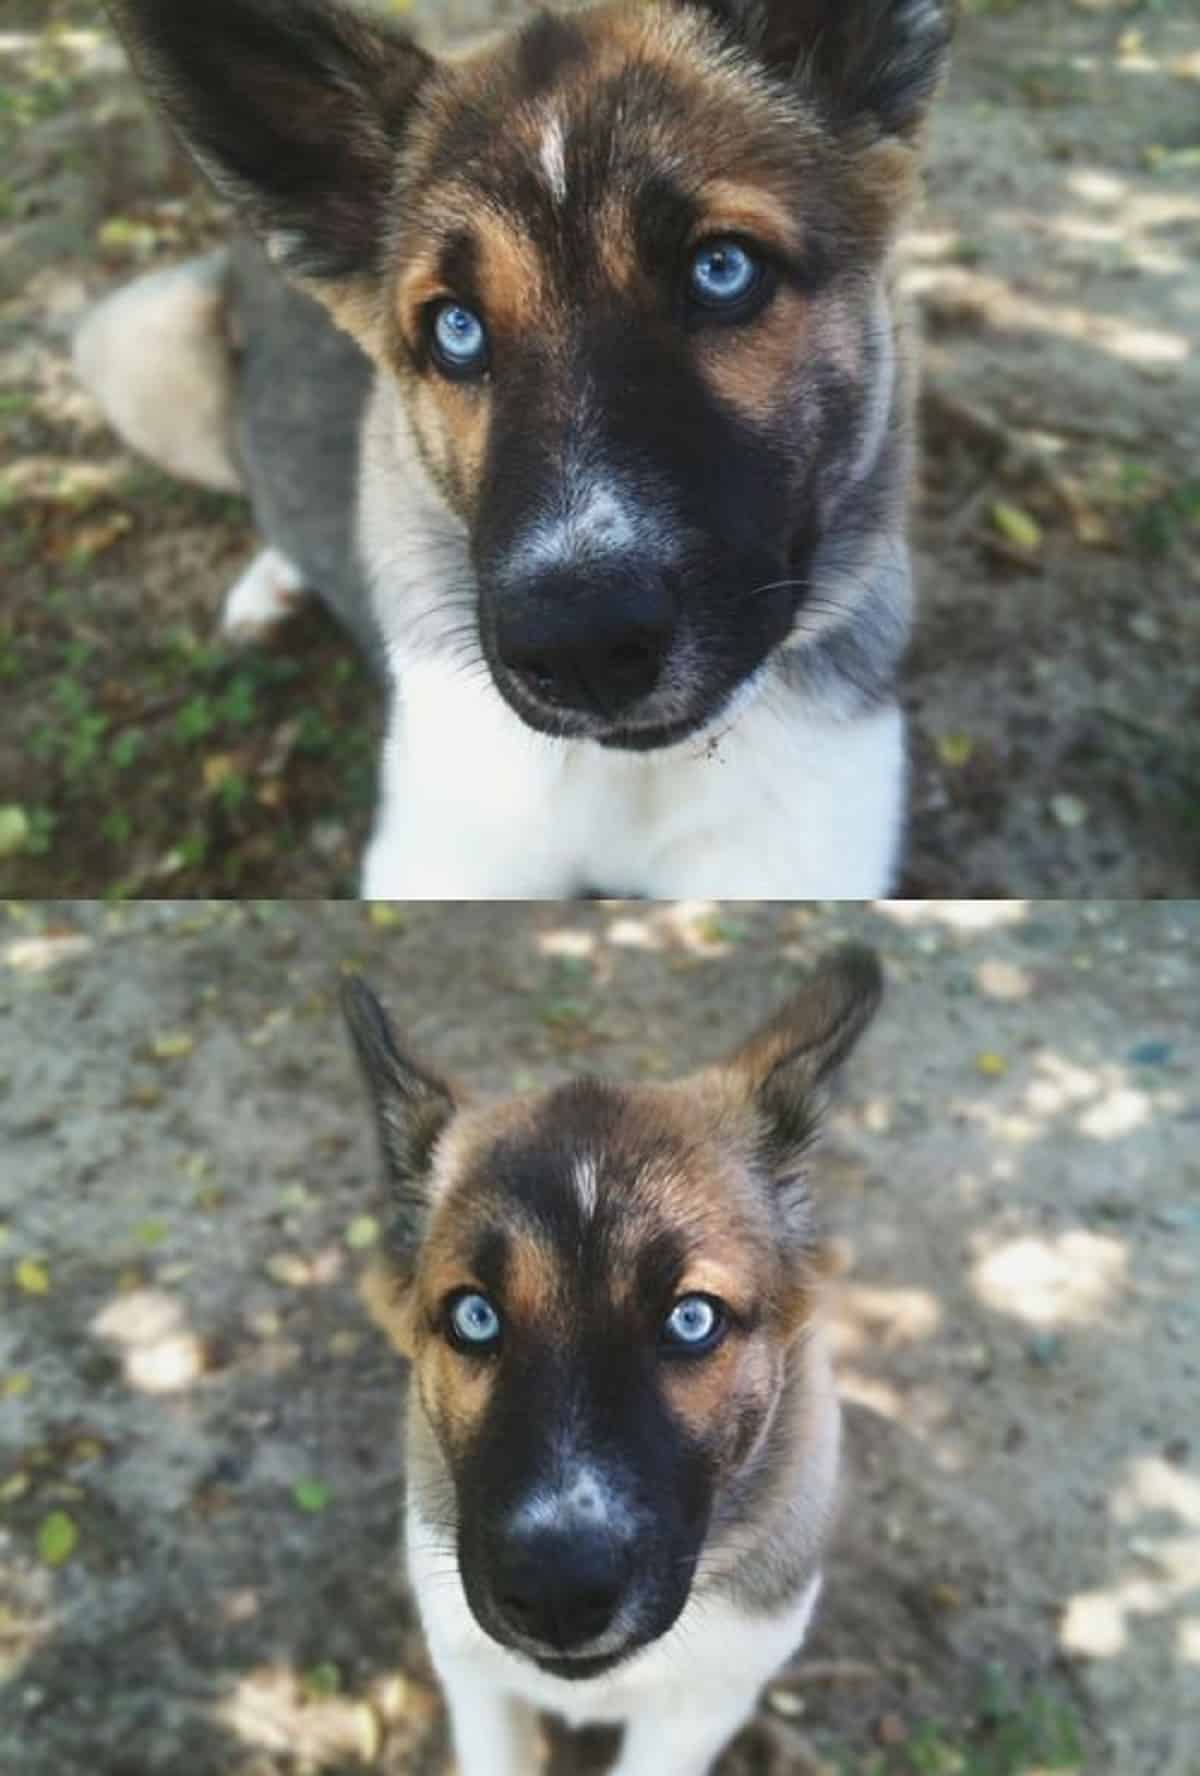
(786, 1068)
(865, 61)
(294, 109)
(412, 1106)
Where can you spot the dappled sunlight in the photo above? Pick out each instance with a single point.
(1012, 311)
(699, 926)
(1003, 980)
(26, 1612)
(1155, 1485)
(65, 481)
(95, 49)
(966, 916)
(633, 934)
(873, 1394)
(37, 955)
(870, 1320)
(1160, 1566)
(1138, 61)
(1118, 1111)
(1099, 1102)
(274, 1708)
(1128, 220)
(566, 945)
(1068, 1279)
(873, 1317)
(159, 1354)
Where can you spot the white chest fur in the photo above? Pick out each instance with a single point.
(784, 803)
(680, 1700)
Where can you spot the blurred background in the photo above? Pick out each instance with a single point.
(1055, 681)
(199, 1455)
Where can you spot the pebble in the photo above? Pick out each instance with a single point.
(1044, 1348)
(1178, 1218)
(288, 1269)
(327, 837)
(891, 1729)
(1068, 810)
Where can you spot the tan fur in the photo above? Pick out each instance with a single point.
(695, 1182)
(756, 370)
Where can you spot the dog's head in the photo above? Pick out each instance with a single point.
(603, 1289)
(627, 271)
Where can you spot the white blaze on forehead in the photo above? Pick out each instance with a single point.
(552, 152)
(583, 1177)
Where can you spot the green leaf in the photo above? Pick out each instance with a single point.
(57, 1536)
(362, 1232)
(311, 1495)
(321, 1681)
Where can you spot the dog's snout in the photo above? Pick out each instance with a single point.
(562, 1588)
(592, 640)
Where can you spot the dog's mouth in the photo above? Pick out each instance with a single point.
(581, 1666)
(579, 1663)
(626, 734)
(696, 699)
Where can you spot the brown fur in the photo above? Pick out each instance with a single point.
(729, 135)
(689, 1147)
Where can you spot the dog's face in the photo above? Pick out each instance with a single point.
(599, 1287)
(626, 269)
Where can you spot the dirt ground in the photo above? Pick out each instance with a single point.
(1055, 679)
(191, 1395)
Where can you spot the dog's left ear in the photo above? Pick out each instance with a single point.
(786, 1067)
(294, 108)
(863, 61)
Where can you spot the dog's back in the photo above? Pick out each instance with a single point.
(301, 387)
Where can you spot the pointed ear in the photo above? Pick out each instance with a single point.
(294, 109)
(412, 1107)
(875, 62)
(785, 1069)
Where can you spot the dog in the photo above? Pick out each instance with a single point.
(573, 374)
(622, 1444)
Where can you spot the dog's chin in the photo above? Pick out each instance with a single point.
(641, 730)
(578, 1666)
(578, 1670)
(575, 1667)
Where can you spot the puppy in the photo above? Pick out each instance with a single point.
(608, 465)
(622, 1430)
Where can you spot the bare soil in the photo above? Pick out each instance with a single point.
(188, 1378)
(1055, 680)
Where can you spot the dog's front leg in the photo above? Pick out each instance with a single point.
(494, 1734)
(685, 1735)
(466, 794)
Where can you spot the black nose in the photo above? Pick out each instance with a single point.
(562, 1589)
(592, 639)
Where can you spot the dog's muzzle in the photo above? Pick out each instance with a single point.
(560, 1591)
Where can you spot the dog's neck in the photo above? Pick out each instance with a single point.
(787, 1492)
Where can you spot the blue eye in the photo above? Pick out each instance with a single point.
(474, 1321)
(459, 340)
(722, 273)
(694, 1323)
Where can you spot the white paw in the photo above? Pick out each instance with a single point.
(267, 592)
